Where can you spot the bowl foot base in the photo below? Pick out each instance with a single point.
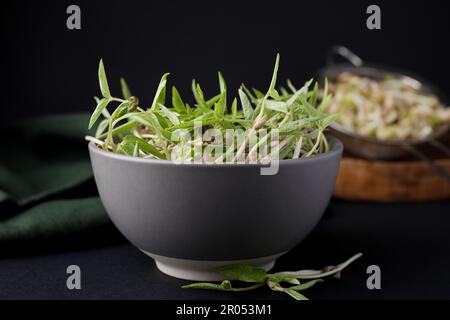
(203, 270)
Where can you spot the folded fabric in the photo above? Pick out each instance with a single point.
(46, 184)
(57, 218)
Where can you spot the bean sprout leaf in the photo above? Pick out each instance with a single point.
(224, 286)
(234, 110)
(222, 83)
(295, 125)
(249, 93)
(102, 104)
(329, 119)
(199, 96)
(104, 88)
(121, 129)
(296, 295)
(101, 128)
(219, 106)
(172, 116)
(258, 93)
(177, 102)
(212, 101)
(244, 273)
(121, 110)
(273, 82)
(246, 105)
(160, 96)
(125, 90)
(306, 285)
(274, 105)
(130, 141)
(283, 278)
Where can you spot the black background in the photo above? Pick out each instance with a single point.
(47, 68)
(409, 242)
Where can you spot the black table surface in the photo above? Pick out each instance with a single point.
(409, 242)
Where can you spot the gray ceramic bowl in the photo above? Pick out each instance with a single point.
(193, 217)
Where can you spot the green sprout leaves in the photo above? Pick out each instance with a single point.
(274, 281)
(243, 273)
(297, 114)
(246, 105)
(220, 105)
(177, 103)
(102, 104)
(126, 94)
(129, 142)
(160, 95)
(104, 88)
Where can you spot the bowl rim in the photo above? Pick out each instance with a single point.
(336, 148)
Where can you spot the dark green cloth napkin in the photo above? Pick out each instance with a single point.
(46, 183)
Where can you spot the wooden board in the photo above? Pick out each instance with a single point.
(391, 181)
